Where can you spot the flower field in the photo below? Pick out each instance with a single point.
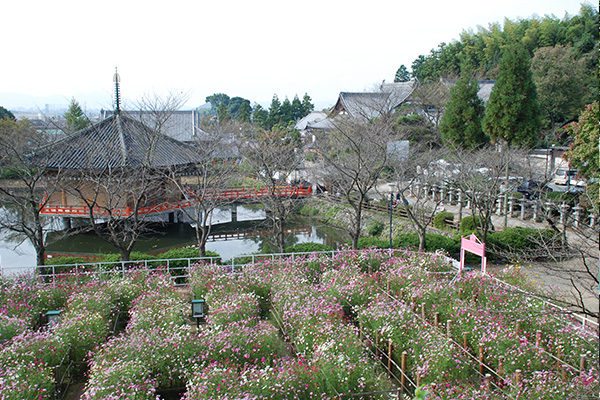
(363, 324)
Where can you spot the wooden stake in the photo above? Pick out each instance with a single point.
(437, 319)
(518, 376)
(481, 359)
(582, 361)
(518, 327)
(563, 372)
(474, 297)
(449, 328)
(538, 338)
(501, 365)
(487, 379)
(403, 374)
(390, 350)
(423, 310)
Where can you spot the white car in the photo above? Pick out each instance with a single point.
(568, 177)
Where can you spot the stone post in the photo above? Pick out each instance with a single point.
(577, 214)
(563, 213)
(511, 206)
(523, 202)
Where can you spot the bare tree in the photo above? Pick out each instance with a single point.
(430, 99)
(355, 154)
(419, 175)
(203, 185)
(481, 180)
(25, 184)
(117, 202)
(272, 157)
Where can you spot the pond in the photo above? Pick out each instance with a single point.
(249, 234)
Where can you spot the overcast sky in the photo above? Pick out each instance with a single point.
(253, 49)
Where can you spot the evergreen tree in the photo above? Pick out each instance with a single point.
(274, 112)
(244, 112)
(75, 118)
(222, 113)
(461, 122)
(512, 113)
(286, 112)
(6, 114)
(307, 105)
(402, 74)
(216, 100)
(259, 116)
(297, 110)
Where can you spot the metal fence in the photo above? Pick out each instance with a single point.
(177, 268)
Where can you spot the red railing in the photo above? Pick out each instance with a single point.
(228, 194)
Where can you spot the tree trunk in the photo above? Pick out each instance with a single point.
(358, 217)
(422, 240)
(125, 254)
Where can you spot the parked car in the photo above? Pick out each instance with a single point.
(568, 177)
(532, 190)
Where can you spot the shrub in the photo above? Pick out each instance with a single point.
(406, 240)
(518, 238)
(435, 242)
(372, 242)
(469, 223)
(308, 210)
(560, 197)
(441, 220)
(187, 252)
(516, 195)
(308, 247)
(374, 228)
(65, 260)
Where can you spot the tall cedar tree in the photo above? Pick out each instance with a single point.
(512, 113)
(461, 122)
(75, 118)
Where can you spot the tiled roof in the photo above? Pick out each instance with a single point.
(180, 125)
(373, 104)
(314, 120)
(116, 142)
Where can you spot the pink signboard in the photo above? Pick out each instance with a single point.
(473, 245)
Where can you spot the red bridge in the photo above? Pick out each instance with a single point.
(228, 194)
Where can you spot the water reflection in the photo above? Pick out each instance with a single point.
(249, 234)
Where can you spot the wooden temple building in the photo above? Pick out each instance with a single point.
(107, 165)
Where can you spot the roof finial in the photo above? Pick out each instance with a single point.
(117, 80)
